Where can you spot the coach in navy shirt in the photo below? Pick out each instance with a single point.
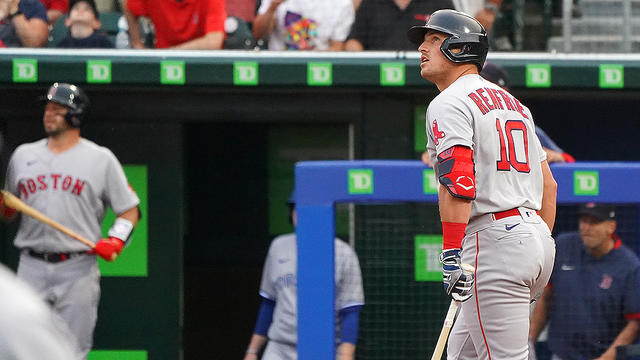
(593, 298)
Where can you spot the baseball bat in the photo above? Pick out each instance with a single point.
(448, 321)
(12, 201)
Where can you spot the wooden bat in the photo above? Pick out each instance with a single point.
(19, 205)
(448, 321)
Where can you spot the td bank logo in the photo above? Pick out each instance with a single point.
(25, 70)
(611, 76)
(98, 71)
(429, 182)
(586, 183)
(360, 181)
(172, 72)
(319, 74)
(392, 74)
(245, 73)
(427, 262)
(538, 75)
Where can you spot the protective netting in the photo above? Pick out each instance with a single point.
(403, 315)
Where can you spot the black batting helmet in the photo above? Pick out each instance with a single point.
(73, 98)
(467, 34)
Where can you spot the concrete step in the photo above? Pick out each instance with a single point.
(593, 44)
(611, 25)
(607, 7)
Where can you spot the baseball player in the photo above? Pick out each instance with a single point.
(277, 317)
(29, 330)
(497, 194)
(592, 302)
(72, 180)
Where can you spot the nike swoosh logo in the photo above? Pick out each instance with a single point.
(282, 261)
(507, 227)
(567, 267)
(29, 163)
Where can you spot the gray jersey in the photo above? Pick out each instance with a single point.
(73, 188)
(28, 329)
(472, 111)
(279, 283)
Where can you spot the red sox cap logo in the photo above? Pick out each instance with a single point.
(437, 134)
(606, 281)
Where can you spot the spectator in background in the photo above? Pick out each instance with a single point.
(55, 9)
(380, 23)
(83, 23)
(304, 24)
(497, 75)
(277, 317)
(485, 11)
(23, 24)
(592, 301)
(186, 25)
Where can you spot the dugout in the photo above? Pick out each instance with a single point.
(213, 138)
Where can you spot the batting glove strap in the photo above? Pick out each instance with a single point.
(456, 283)
(7, 212)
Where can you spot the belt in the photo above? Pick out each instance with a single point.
(55, 257)
(507, 213)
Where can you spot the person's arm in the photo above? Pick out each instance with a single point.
(336, 45)
(134, 27)
(121, 230)
(264, 23)
(255, 345)
(487, 15)
(53, 15)
(263, 321)
(549, 193)
(540, 314)
(353, 45)
(210, 41)
(32, 32)
(350, 318)
(627, 336)
(8, 213)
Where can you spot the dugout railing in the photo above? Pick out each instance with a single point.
(321, 184)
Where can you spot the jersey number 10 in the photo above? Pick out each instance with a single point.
(508, 159)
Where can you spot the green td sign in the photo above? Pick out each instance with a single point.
(392, 74)
(360, 181)
(25, 70)
(427, 257)
(538, 75)
(429, 182)
(172, 72)
(586, 183)
(611, 76)
(98, 71)
(245, 73)
(319, 74)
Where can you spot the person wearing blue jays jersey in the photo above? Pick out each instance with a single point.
(277, 320)
(592, 302)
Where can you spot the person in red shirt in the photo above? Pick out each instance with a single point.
(179, 24)
(55, 9)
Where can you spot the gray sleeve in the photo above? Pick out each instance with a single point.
(267, 288)
(349, 291)
(9, 181)
(450, 117)
(118, 194)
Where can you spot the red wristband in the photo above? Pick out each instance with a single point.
(452, 235)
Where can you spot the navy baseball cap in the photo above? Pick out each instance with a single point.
(599, 211)
(496, 74)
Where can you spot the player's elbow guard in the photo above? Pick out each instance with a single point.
(457, 172)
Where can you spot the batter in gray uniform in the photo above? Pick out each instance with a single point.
(71, 180)
(496, 197)
(277, 318)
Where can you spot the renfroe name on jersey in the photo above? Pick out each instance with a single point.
(488, 99)
(68, 183)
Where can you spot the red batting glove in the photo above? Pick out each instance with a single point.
(6, 211)
(108, 249)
